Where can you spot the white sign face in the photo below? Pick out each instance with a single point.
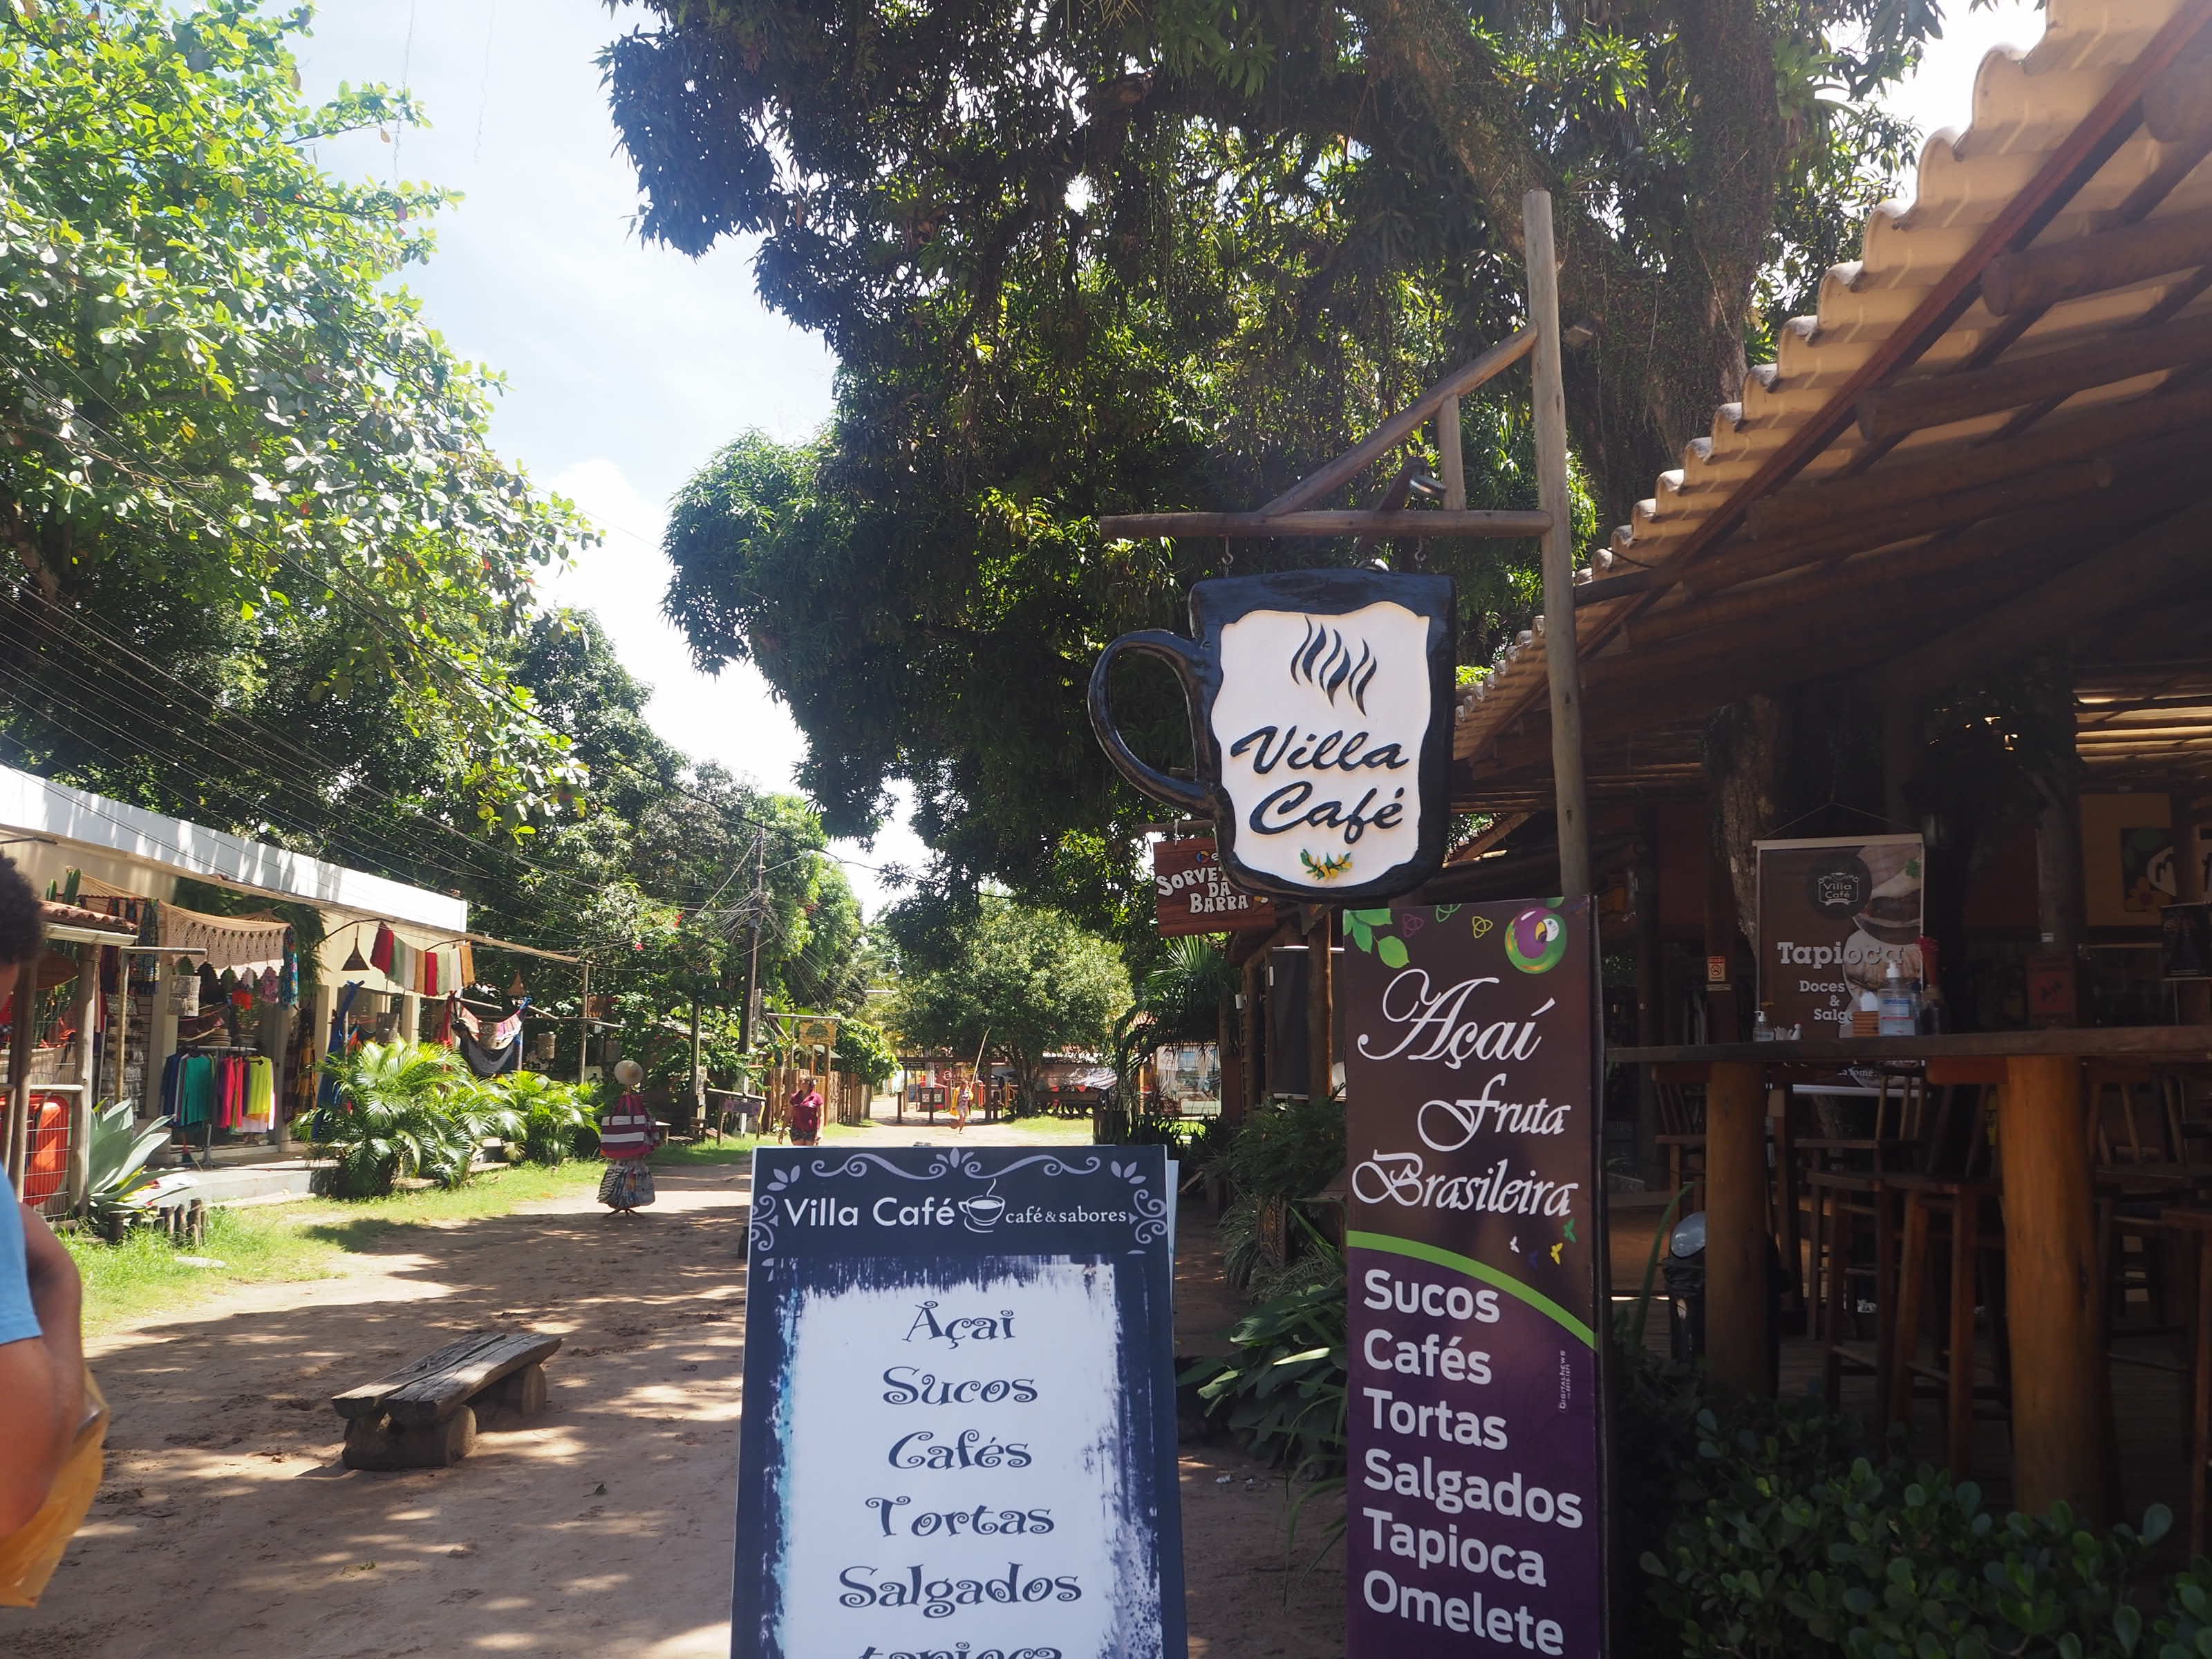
(944, 1459)
(1321, 721)
(959, 1427)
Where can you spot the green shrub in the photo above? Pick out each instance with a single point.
(403, 1109)
(1762, 1535)
(556, 1118)
(116, 1181)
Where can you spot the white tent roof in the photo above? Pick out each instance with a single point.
(76, 819)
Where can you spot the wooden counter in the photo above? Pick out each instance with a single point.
(2054, 1291)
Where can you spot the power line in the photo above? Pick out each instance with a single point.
(366, 613)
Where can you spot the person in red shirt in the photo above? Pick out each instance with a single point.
(806, 1115)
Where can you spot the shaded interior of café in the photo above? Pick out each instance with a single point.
(1943, 571)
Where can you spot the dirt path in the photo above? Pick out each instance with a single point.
(226, 1525)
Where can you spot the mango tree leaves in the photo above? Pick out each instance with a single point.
(209, 381)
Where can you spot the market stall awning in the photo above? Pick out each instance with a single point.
(74, 924)
(1991, 436)
(79, 820)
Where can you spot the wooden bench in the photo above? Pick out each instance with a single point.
(425, 1416)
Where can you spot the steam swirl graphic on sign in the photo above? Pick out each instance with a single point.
(1323, 660)
(1320, 704)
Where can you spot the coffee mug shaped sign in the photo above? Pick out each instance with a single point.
(1321, 716)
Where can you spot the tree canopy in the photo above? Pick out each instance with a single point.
(265, 570)
(233, 458)
(1018, 981)
(1084, 260)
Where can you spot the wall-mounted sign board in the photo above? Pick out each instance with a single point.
(959, 1431)
(1192, 893)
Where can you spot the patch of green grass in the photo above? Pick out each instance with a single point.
(146, 1275)
(1046, 1123)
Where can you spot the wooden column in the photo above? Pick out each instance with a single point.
(1570, 791)
(1255, 1036)
(88, 1074)
(1649, 988)
(1451, 456)
(2193, 997)
(1320, 1007)
(2053, 1296)
(1726, 1020)
(1735, 1227)
(2058, 846)
(17, 1140)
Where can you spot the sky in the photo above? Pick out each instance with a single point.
(628, 365)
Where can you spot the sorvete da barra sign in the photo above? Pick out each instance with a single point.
(1475, 1244)
(958, 1439)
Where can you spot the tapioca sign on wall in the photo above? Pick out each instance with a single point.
(1320, 717)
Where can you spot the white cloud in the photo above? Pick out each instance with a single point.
(627, 365)
(732, 718)
(1940, 93)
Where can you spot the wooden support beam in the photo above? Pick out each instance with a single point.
(1601, 589)
(1735, 1228)
(1862, 585)
(1500, 827)
(2037, 277)
(2086, 521)
(1451, 454)
(1914, 478)
(1891, 412)
(2054, 1291)
(2046, 487)
(1402, 425)
(2146, 563)
(1321, 1008)
(1347, 521)
(1562, 669)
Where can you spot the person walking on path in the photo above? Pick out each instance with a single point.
(629, 1137)
(806, 1115)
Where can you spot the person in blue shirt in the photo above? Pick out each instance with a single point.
(41, 1300)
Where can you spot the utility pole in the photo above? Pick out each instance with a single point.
(584, 1024)
(1570, 792)
(752, 966)
(698, 1095)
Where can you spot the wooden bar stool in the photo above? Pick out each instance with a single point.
(1965, 1214)
(2194, 1227)
(1849, 1209)
(1680, 1092)
(1841, 1171)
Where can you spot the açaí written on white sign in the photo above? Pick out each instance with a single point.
(959, 1433)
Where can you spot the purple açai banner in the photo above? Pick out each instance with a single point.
(1475, 1250)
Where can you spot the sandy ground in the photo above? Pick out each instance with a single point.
(225, 1525)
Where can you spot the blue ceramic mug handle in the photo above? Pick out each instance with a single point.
(1180, 655)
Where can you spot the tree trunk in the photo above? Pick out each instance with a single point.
(1747, 760)
(1669, 343)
